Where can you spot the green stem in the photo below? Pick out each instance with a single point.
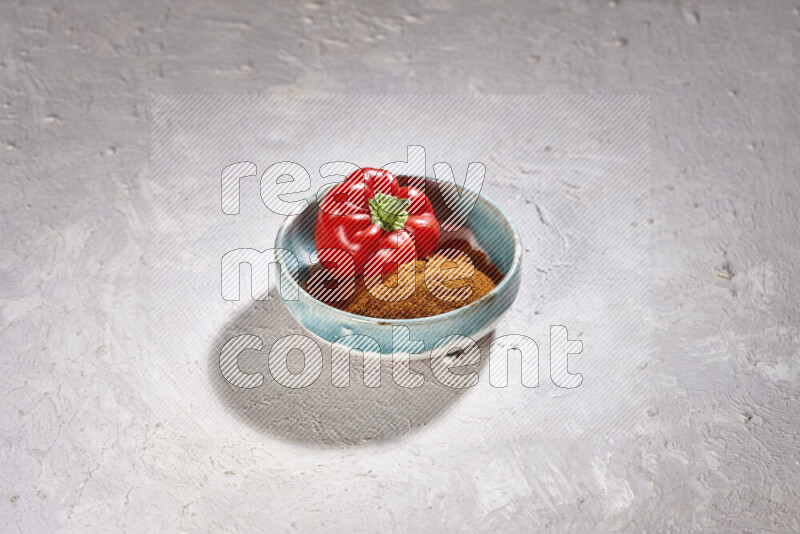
(388, 211)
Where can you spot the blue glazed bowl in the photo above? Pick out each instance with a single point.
(494, 233)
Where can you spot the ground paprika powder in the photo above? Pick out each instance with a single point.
(422, 302)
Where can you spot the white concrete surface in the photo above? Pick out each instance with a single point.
(92, 442)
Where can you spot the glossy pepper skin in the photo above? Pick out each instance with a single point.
(370, 214)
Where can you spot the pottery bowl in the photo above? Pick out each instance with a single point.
(486, 226)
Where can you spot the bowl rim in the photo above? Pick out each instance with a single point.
(516, 263)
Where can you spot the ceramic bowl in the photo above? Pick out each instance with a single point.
(487, 226)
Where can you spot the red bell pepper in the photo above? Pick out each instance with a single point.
(378, 223)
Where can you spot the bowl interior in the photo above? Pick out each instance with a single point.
(485, 227)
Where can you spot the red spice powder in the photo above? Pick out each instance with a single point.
(434, 293)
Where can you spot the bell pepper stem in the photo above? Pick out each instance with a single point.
(388, 211)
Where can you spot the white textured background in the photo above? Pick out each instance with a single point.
(86, 445)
